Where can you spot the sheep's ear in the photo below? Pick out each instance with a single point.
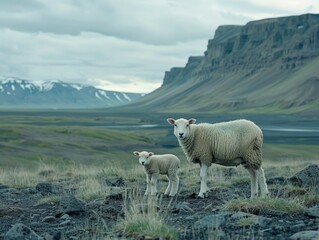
(150, 154)
(171, 121)
(136, 153)
(191, 121)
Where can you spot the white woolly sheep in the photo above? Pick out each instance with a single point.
(154, 165)
(228, 143)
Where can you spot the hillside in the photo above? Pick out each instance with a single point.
(266, 66)
(19, 93)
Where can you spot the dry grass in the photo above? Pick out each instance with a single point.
(90, 179)
(143, 218)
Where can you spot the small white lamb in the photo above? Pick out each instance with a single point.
(227, 143)
(154, 165)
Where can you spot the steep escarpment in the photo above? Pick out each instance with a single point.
(268, 65)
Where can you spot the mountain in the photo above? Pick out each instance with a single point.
(265, 66)
(57, 94)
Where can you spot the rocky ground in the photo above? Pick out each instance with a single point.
(22, 214)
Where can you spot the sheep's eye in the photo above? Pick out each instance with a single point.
(175, 125)
(187, 125)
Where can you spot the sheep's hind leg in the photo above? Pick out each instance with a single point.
(262, 182)
(253, 182)
(203, 184)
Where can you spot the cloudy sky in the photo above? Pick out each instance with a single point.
(124, 45)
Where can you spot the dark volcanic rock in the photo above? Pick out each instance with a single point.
(21, 232)
(71, 205)
(313, 211)
(308, 177)
(212, 221)
(49, 188)
(306, 235)
(115, 182)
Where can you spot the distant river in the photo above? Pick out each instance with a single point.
(291, 135)
(130, 126)
(272, 134)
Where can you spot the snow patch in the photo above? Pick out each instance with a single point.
(103, 93)
(1, 89)
(47, 86)
(98, 96)
(77, 86)
(127, 97)
(13, 88)
(28, 86)
(117, 97)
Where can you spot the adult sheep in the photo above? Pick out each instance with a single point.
(154, 165)
(227, 143)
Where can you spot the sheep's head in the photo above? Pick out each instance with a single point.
(181, 126)
(143, 157)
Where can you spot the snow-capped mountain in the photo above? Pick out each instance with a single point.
(16, 92)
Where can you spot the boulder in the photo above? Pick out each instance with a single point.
(49, 188)
(306, 235)
(212, 221)
(20, 231)
(69, 204)
(313, 212)
(307, 177)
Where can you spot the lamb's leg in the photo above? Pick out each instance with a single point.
(262, 182)
(175, 183)
(148, 184)
(169, 187)
(154, 184)
(203, 184)
(253, 183)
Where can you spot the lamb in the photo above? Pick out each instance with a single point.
(154, 165)
(228, 143)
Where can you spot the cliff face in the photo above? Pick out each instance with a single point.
(265, 65)
(288, 42)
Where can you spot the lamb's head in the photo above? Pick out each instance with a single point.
(143, 157)
(181, 126)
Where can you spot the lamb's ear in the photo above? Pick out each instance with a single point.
(150, 154)
(191, 121)
(171, 121)
(136, 153)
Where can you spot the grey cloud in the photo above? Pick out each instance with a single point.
(20, 5)
(141, 21)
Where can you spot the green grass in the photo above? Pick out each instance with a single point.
(258, 205)
(288, 152)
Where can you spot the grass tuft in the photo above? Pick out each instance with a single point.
(258, 205)
(142, 218)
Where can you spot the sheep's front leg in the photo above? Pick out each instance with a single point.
(148, 184)
(203, 184)
(154, 184)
